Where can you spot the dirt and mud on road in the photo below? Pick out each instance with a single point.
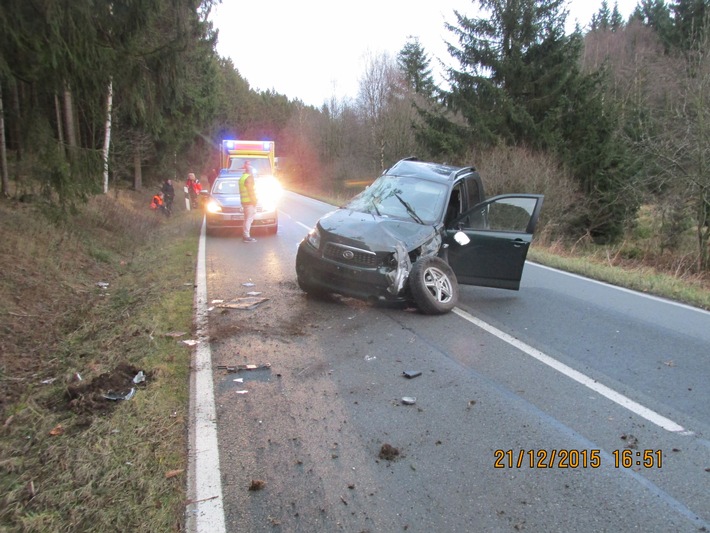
(303, 446)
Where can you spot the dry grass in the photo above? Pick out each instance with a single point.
(104, 469)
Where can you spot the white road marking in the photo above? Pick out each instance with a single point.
(623, 289)
(307, 228)
(205, 513)
(597, 387)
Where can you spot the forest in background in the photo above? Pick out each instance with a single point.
(612, 123)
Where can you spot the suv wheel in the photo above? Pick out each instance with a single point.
(433, 286)
(305, 283)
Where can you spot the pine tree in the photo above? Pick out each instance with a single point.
(602, 19)
(415, 64)
(516, 63)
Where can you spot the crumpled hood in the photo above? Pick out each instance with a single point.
(370, 232)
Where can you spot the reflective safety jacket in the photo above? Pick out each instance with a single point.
(246, 189)
(157, 202)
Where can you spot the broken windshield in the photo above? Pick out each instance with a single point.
(398, 197)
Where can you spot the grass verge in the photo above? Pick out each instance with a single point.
(71, 460)
(639, 278)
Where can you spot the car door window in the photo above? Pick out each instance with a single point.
(505, 214)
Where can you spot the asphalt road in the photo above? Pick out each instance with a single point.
(595, 375)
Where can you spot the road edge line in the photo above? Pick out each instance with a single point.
(204, 508)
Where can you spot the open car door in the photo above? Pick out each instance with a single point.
(488, 244)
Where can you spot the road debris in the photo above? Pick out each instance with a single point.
(409, 400)
(388, 452)
(176, 334)
(117, 384)
(248, 284)
(125, 395)
(410, 374)
(257, 484)
(191, 342)
(249, 303)
(102, 285)
(242, 392)
(173, 473)
(233, 369)
(631, 441)
(370, 358)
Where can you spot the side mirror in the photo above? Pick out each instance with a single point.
(461, 238)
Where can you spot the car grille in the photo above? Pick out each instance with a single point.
(239, 209)
(349, 256)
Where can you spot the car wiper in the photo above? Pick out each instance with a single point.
(409, 209)
(374, 205)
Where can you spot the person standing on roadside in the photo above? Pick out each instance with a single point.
(248, 197)
(193, 189)
(168, 195)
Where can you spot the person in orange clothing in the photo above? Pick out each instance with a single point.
(158, 204)
(193, 189)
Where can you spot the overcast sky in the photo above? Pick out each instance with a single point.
(316, 49)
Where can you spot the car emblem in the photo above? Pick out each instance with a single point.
(347, 254)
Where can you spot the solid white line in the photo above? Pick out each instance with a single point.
(588, 382)
(205, 514)
(623, 289)
(307, 228)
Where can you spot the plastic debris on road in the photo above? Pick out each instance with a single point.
(248, 303)
(409, 374)
(409, 400)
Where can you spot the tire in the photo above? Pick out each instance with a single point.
(433, 285)
(305, 283)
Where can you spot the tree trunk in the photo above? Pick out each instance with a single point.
(107, 136)
(69, 118)
(60, 122)
(3, 151)
(15, 95)
(137, 175)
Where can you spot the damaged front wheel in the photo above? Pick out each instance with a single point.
(433, 285)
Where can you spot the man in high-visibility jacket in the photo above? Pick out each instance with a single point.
(247, 193)
(158, 204)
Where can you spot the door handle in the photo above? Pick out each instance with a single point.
(518, 242)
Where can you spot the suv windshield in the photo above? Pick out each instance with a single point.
(398, 197)
(260, 165)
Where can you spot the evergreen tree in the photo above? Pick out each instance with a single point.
(516, 64)
(415, 64)
(602, 19)
(690, 22)
(657, 15)
(616, 21)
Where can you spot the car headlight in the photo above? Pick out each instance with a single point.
(213, 207)
(314, 238)
(268, 190)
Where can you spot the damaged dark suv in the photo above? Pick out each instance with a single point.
(417, 232)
